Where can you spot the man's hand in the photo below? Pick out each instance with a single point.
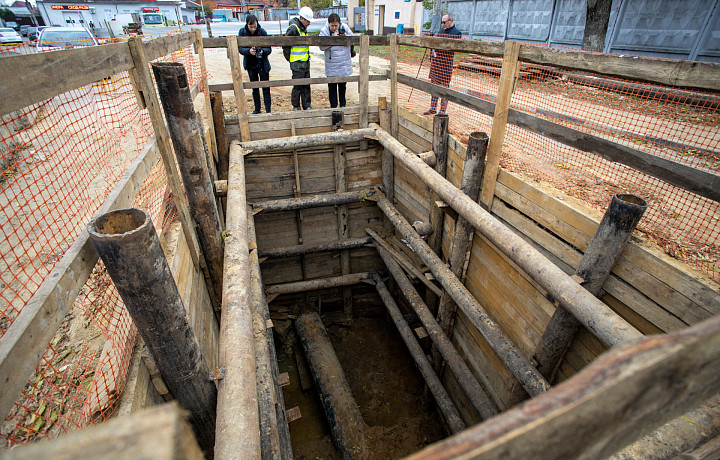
(253, 51)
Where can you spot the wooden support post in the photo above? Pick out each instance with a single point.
(313, 201)
(477, 396)
(200, 51)
(291, 251)
(312, 285)
(221, 141)
(363, 88)
(394, 107)
(441, 125)
(622, 395)
(237, 392)
(236, 69)
(274, 430)
(298, 212)
(502, 106)
(338, 124)
(609, 240)
(130, 249)
(191, 152)
(506, 350)
(388, 163)
(310, 140)
(343, 414)
(445, 404)
(600, 320)
(461, 242)
(147, 89)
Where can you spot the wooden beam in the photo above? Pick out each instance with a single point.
(160, 432)
(236, 70)
(56, 72)
(298, 142)
(301, 81)
(688, 178)
(388, 162)
(627, 392)
(313, 201)
(672, 72)
(341, 186)
(363, 88)
(393, 85)
(27, 338)
(497, 135)
(312, 285)
(163, 46)
(290, 251)
(280, 40)
(208, 106)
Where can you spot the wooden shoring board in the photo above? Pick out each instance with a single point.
(235, 67)
(210, 137)
(297, 81)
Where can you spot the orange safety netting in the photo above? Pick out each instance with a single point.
(59, 160)
(682, 126)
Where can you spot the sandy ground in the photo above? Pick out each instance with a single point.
(219, 68)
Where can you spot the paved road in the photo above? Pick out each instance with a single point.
(223, 29)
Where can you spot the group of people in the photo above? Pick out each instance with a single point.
(338, 61)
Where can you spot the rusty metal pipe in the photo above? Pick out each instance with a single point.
(313, 201)
(477, 396)
(237, 392)
(609, 240)
(192, 156)
(445, 404)
(343, 414)
(521, 368)
(597, 317)
(130, 249)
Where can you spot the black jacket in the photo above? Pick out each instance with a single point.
(252, 62)
(293, 32)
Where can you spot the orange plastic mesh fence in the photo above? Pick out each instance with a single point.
(59, 159)
(681, 126)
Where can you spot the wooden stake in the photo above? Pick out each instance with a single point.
(338, 124)
(363, 89)
(236, 69)
(388, 163)
(394, 107)
(200, 51)
(502, 106)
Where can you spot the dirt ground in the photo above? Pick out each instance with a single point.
(219, 68)
(386, 385)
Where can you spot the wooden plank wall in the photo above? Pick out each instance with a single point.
(652, 291)
(272, 176)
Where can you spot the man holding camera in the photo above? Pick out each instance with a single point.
(255, 61)
(337, 59)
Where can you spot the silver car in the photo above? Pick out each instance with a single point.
(55, 38)
(8, 35)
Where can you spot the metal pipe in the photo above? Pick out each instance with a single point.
(130, 249)
(310, 140)
(477, 396)
(312, 285)
(609, 240)
(343, 414)
(192, 157)
(290, 251)
(445, 404)
(237, 392)
(597, 317)
(521, 368)
(313, 201)
(462, 236)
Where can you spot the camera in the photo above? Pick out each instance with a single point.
(258, 53)
(341, 30)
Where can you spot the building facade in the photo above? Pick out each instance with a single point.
(96, 14)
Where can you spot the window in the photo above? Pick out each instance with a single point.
(397, 15)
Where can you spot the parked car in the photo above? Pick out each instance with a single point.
(14, 25)
(8, 35)
(24, 30)
(33, 32)
(55, 38)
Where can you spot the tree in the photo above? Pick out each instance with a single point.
(207, 10)
(597, 18)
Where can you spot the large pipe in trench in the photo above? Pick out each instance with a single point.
(342, 412)
(194, 162)
(130, 249)
(609, 240)
(597, 317)
(445, 404)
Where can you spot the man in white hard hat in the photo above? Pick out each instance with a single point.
(299, 57)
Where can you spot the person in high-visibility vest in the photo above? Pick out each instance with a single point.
(299, 57)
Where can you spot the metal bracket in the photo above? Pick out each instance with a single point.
(216, 374)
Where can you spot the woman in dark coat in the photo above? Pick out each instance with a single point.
(255, 61)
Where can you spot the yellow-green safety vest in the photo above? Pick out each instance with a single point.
(299, 53)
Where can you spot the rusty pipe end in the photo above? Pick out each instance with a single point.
(631, 200)
(479, 136)
(120, 224)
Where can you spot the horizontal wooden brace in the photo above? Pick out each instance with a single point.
(295, 82)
